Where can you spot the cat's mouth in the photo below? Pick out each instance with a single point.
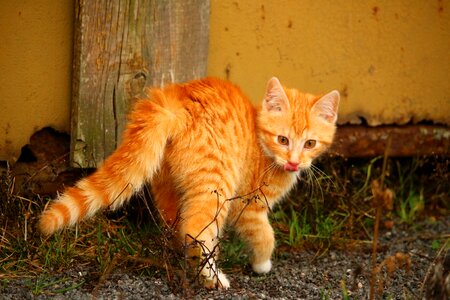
(295, 167)
(291, 167)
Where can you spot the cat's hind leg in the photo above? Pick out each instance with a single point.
(165, 195)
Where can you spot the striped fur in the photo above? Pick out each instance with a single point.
(201, 144)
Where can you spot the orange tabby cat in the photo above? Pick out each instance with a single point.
(200, 144)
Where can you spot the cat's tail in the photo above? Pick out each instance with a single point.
(152, 123)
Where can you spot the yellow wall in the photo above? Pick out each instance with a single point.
(35, 69)
(390, 59)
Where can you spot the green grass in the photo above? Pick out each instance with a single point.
(409, 208)
(331, 208)
(234, 252)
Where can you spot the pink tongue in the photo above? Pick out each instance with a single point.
(290, 167)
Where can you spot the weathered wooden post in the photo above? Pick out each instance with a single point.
(120, 47)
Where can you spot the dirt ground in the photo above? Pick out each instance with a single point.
(420, 274)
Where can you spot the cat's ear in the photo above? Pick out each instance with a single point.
(327, 106)
(275, 99)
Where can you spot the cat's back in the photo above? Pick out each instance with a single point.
(214, 93)
(206, 99)
(211, 103)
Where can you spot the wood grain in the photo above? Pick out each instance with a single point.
(121, 47)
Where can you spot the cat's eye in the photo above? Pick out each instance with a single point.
(282, 140)
(309, 144)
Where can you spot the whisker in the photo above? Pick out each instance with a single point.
(308, 181)
(324, 176)
(316, 179)
(311, 182)
(271, 167)
(299, 175)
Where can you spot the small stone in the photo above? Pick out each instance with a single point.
(333, 255)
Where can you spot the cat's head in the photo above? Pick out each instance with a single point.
(294, 127)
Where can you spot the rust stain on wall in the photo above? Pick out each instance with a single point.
(375, 10)
(440, 6)
(290, 23)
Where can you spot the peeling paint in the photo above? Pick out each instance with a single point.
(441, 134)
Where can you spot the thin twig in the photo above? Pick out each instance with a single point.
(378, 207)
(443, 247)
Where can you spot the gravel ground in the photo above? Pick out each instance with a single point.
(300, 275)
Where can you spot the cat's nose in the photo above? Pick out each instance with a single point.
(291, 166)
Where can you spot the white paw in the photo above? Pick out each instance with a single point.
(263, 267)
(223, 281)
(216, 280)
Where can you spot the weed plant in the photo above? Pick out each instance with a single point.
(332, 205)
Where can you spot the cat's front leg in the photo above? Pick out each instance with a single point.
(254, 227)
